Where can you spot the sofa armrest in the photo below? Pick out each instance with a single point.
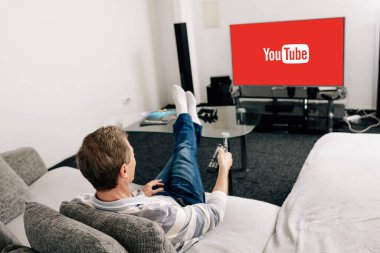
(26, 162)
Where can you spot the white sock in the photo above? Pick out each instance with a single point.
(192, 107)
(179, 98)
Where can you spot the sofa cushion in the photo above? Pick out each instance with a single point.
(26, 162)
(64, 183)
(136, 234)
(247, 226)
(13, 193)
(49, 231)
(51, 189)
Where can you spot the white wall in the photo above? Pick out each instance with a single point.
(361, 44)
(65, 67)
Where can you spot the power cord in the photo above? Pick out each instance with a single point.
(356, 119)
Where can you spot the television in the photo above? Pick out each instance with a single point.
(289, 53)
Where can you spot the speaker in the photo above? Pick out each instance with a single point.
(183, 56)
(220, 80)
(378, 89)
(219, 95)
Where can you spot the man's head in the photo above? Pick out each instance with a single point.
(106, 156)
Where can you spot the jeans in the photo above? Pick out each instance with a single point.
(181, 177)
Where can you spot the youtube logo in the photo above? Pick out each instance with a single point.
(289, 54)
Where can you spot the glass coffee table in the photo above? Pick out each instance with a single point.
(230, 123)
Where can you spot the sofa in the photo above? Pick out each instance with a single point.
(333, 207)
(38, 226)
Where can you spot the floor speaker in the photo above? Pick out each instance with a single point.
(378, 89)
(183, 56)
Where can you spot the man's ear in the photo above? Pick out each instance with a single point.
(124, 170)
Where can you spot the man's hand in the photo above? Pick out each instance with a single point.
(148, 188)
(224, 159)
(225, 163)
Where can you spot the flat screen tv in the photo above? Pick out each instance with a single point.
(289, 53)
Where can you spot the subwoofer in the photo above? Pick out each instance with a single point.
(378, 89)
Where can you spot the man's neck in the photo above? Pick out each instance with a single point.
(114, 194)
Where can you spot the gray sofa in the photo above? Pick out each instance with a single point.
(40, 227)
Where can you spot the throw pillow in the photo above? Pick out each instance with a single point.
(9, 243)
(17, 249)
(49, 231)
(136, 234)
(6, 236)
(26, 162)
(13, 193)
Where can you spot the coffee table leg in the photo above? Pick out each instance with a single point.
(230, 184)
(243, 150)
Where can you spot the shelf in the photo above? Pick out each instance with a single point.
(315, 119)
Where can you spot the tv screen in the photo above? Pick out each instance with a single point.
(289, 53)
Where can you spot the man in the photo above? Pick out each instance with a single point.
(176, 199)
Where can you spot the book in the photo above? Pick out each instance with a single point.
(161, 117)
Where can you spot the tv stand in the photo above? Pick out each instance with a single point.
(275, 107)
(291, 91)
(285, 105)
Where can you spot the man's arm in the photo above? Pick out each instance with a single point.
(194, 220)
(204, 217)
(225, 163)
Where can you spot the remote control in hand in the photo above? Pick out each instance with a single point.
(213, 166)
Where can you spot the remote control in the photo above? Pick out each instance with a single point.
(213, 166)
